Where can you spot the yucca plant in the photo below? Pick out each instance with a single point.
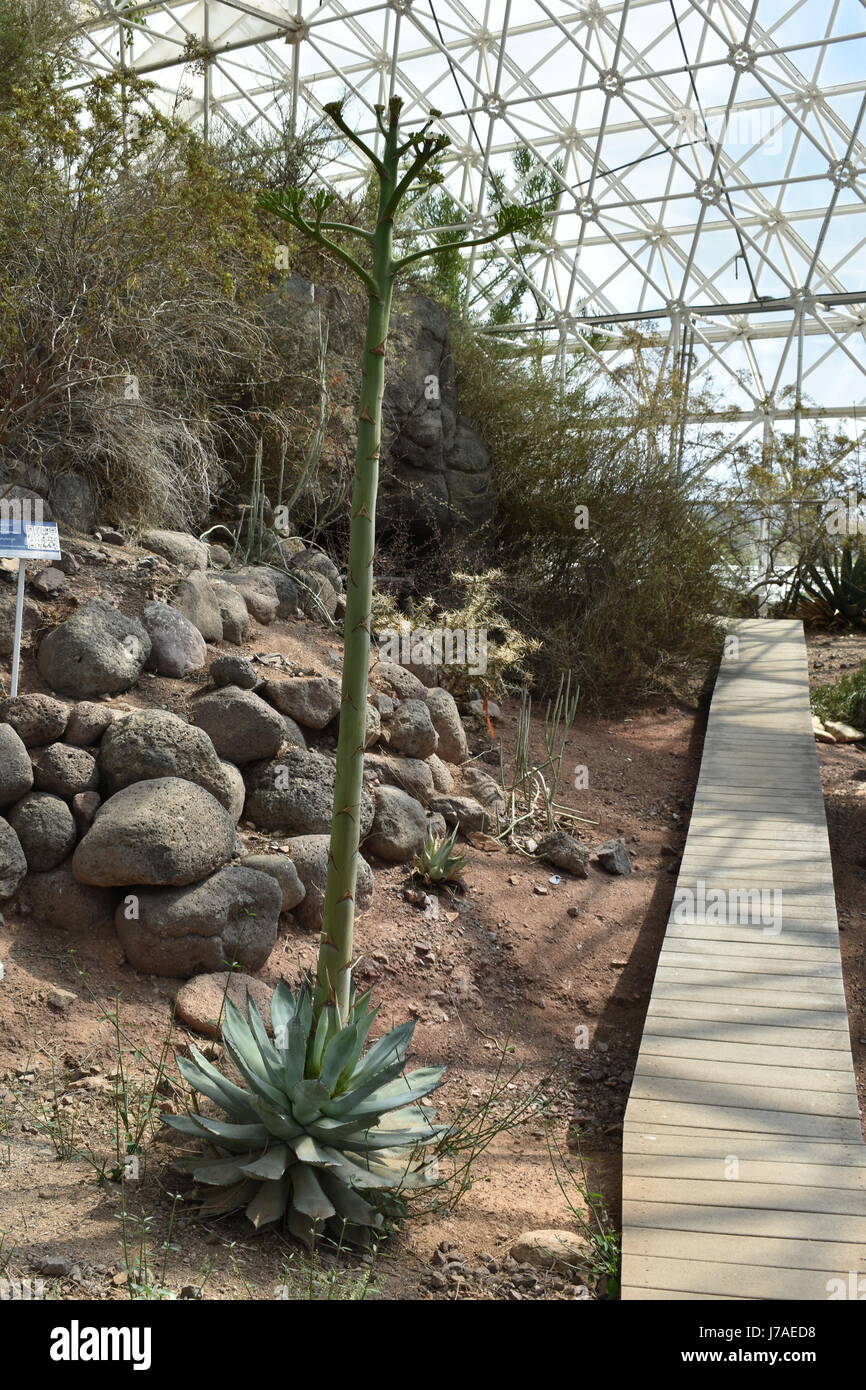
(437, 862)
(318, 1122)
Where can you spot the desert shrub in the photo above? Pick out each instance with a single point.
(845, 701)
(606, 553)
(136, 344)
(477, 608)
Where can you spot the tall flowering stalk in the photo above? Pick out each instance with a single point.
(402, 166)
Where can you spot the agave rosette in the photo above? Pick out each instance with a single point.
(321, 1122)
(437, 862)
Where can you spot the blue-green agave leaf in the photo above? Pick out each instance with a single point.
(307, 1193)
(205, 1078)
(239, 1137)
(307, 1098)
(269, 1201)
(271, 1166)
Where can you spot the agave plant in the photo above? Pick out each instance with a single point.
(437, 862)
(321, 1122)
(835, 586)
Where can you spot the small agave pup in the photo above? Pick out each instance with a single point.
(322, 1121)
(437, 862)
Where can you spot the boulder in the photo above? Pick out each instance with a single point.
(295, 794)
(399, 826)
(613, 856)
(220, 555)
(152, 743)
(317, 595)
(230, 917)
(373, 728)
(294, 734)
(200, 1002)
(285, 586)
(36, 719)
(31, 619)
(479, 783)
(234, 670)
(409, 774)
(233, 612)
(178, 547)
(242, 728)
(45, 828)
(166, 831)
(73, 501)
(310, 857)
(307, 562)
(435, 468)
(443, 779)
(462, 811)
(57, 900)
(13, 864)
(49, 582)
(398, 681)
(446, 721)
(64, 770)
(310, 700)
(16, 770)
(198, 603)
(563, 851)
(87, 723)
(176, 646)
(280, 867)
(98, 651)
(258, 591)
(232, 791)
(411, 731)
(84, 808)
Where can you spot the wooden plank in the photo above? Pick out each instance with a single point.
(744, 1171)
(815, 1177)
(648, 1113)
(711, 1049)
(752, 1015)
(780, 1151)
(817, 1226)
(715, 1093)
(821, 1198)
(666, 1279)
(731, 1070)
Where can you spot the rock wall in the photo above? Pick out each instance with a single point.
(436, 475)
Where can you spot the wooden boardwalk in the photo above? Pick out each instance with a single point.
(744, 1172)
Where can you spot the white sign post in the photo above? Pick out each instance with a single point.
(22, 541)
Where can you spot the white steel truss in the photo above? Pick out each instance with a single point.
(709, 157)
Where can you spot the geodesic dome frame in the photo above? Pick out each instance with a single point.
(708, 156)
